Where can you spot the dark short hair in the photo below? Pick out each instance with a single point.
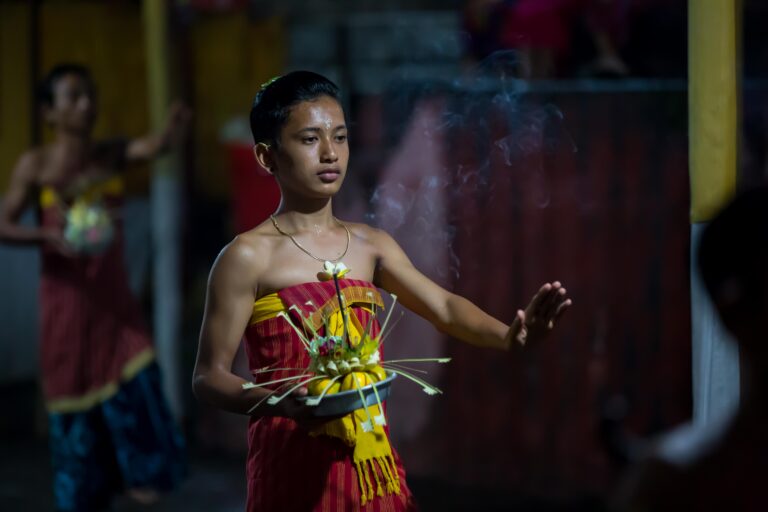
(273, 102)
(733, 254)
(45, 89)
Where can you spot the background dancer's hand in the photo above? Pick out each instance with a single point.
(540, 316)
(177, 122)
(55, 239)
(148, 147)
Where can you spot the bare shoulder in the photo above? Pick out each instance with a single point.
(29, 165)
(381, 242)
(244, 260)
(369, 234)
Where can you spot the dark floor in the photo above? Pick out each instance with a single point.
(213, 484)
(216, 484)
(216, 481)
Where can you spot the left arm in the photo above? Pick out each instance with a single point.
(456, 316)
(153, 145)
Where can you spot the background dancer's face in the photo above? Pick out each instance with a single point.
(312, 154)
(73, 107)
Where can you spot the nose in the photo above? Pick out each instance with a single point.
(328, 152)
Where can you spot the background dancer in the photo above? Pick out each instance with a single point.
(109, 425)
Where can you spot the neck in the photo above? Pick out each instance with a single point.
(72, 140)
(305, 215)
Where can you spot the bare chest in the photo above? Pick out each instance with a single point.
(68, 172)
(291, 266)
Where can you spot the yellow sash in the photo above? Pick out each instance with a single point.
(114, 186)
(372, 453)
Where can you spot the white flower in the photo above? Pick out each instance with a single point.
(331, 270)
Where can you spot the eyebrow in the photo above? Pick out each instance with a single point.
(315, 129)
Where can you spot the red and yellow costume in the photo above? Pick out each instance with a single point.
(290, 468)
(92, 334)
(109, 426)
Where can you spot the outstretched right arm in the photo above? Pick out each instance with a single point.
(16, 199)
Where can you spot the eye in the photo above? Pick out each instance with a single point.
(341, 138)
(308, 140)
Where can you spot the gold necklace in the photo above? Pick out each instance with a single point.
(297, 244)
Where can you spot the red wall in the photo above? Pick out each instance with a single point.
(598, 200)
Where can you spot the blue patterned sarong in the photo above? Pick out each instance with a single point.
(128, 441)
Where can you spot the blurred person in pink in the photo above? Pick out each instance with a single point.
(542, 32)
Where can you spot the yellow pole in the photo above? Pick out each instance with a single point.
(713, 67)
(166, 204)
(155, 13)
(713, 104)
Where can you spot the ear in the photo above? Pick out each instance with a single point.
(263, 154)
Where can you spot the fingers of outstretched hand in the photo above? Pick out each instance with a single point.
(557, 312)
(562, 308)
(541, 298)
(517, 331)
(558, 296)
(522, 338)
(538, 310)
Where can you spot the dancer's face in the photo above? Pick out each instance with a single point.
(74, 104)
(312, 155)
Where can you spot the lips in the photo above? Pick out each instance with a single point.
(329, 175)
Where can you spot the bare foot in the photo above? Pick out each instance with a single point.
(143, 495)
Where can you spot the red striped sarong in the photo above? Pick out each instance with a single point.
(288, 469)
(93, 336)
